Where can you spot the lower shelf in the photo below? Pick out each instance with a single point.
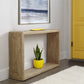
(33, 72)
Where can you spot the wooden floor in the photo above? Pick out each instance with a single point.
(63, 65)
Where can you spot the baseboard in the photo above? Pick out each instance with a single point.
(4, 74)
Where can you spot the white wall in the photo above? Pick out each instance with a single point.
(66, 28)
(9, 22)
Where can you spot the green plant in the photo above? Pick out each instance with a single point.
(37, 53)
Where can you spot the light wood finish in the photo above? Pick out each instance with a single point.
(16, 52)
(37, 32)
(77, 32)
(33, 72)
(40, 32)
(53, 48)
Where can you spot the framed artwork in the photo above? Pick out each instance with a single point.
(34, 11)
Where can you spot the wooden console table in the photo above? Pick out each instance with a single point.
(16, 54)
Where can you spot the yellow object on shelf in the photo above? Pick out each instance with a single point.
(37, 29)
(38, 64)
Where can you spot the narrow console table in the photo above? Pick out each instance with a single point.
(16, 54)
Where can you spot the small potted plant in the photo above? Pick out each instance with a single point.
(38, 61)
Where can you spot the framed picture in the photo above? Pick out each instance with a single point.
(34, 11)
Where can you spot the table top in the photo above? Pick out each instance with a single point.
(37, 32)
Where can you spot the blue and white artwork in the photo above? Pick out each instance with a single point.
(34, 11)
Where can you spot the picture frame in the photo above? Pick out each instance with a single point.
(33, 12)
